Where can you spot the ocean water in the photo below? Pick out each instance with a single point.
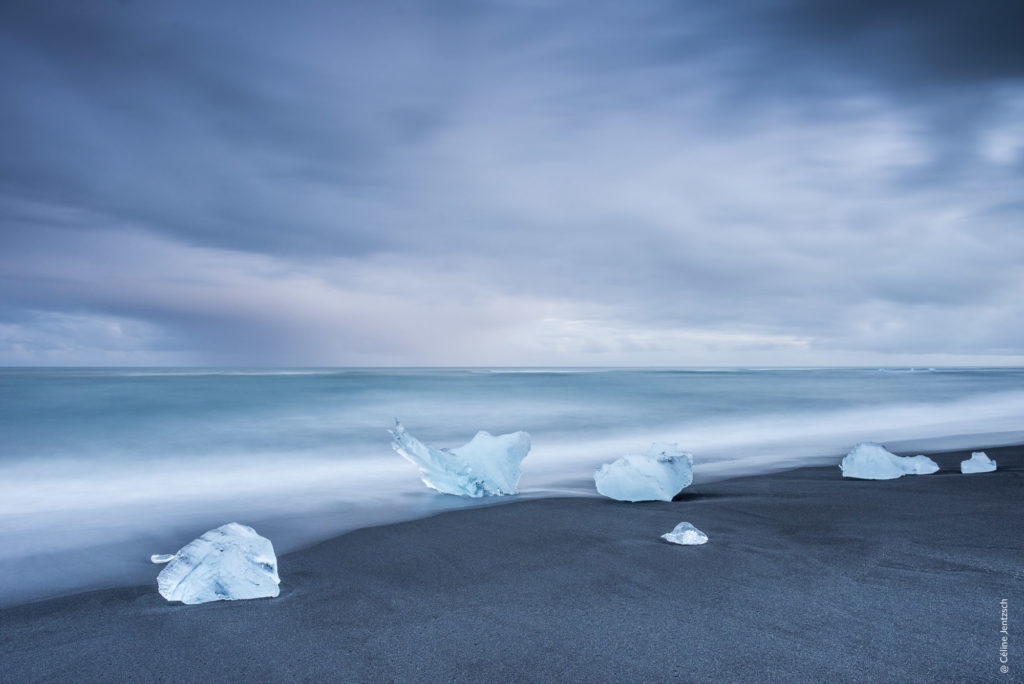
(99, 468)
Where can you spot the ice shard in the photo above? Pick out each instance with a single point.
(485, 466)
(658, 475)
(979, 462)
(228, 563)
(871, 461)
(686, 534)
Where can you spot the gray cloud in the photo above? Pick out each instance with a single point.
(461, 183)
(913, 43)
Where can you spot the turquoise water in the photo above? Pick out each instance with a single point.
(101, 467)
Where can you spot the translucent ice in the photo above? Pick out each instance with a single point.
(870, 461)
(486, 466)
(658, 475)
(979, 462)
(228, 563)
(917, 465)
(686, 534)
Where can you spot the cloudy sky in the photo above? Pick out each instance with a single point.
(791, 182)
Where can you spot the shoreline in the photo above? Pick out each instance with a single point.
(806, 575)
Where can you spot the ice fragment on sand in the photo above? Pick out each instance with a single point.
(485, 466)
(871, 461)
(979, 462)
(227, 563)
(686, 534)
(658, 475)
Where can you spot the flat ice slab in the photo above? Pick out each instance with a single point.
(486, 466)
(228, 563)
(979, 462)
(658, 475)
(686, 534)
(871, 461)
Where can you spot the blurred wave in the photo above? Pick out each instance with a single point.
(102, 467)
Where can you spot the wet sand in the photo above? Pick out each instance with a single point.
(807, 577)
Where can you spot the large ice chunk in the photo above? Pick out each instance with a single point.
(228, 563)
(486, 466)
(658, 475)
(979, 462)
(686, 534)
(871, 461)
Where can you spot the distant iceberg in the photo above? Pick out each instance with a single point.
(225, 564)
(871, 461)
(979, 462)
(658, 475)
(486, 466)
(685, 534)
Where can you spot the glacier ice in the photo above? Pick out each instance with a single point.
(658, 475)
(871, 461)
(686, 534)
(918, 465)
(979, 462)
(485, 466)
(227, 563)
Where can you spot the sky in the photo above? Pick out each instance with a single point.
(443, 183)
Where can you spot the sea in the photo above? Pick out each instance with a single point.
(101, 467)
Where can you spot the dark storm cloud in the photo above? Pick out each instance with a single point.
(172, 123)
(912, 42)
(565, 183)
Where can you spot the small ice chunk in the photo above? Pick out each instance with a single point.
(159, 558)
(979, 462)
(485, 466)
(686, 534)
(918, 465)
(871, 461)
(658, 475)
(228, 563)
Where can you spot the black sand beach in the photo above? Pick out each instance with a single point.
(807, 577)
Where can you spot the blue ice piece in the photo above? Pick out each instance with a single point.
(685, 534)
(658, 475)
(871, 461)
(485, 466)
(979, 462)
(228, 563)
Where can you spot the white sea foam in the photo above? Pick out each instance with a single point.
(308, 458)
(764, 444)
